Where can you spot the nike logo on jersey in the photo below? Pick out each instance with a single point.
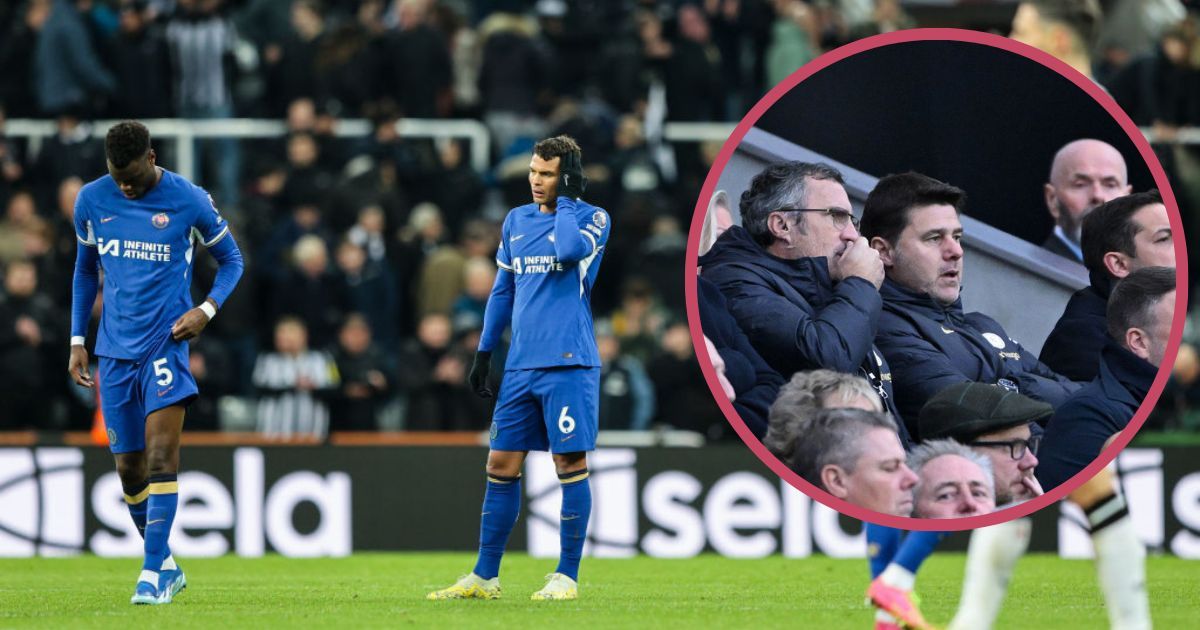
(161, 520)
(568, 437)
(516, 238)
(106, 219)
(946, 330)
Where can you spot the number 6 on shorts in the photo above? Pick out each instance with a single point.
(566, 423)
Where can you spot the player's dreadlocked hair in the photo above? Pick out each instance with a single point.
(126, 141)
(558, 146)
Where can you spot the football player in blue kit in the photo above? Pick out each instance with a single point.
(549, 255)
(140, 224)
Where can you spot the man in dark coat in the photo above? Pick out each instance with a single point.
(755, 384)
(1084, 174)
(931, 343)
(1139, 325)
(801, 282)
(1119, 237)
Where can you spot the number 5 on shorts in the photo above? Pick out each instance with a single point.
(566, 423)
(160, 369)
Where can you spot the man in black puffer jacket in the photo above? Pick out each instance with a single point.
(912, 220)
(799, 279)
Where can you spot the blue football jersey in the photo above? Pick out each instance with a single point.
(552, 304)
(145, 248)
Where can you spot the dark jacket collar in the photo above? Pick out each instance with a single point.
(900, 298)
(809, 276)
(1124, 375)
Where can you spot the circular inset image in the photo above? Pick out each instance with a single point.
(937, 271)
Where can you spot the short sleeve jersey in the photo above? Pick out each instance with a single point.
(145, 248)
(552, 308)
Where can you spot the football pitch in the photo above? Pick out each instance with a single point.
(387, 590)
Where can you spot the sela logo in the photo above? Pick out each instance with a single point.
(160, 220)
(42, 491)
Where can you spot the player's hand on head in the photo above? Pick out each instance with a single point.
(571, 182)
(77, 367)
(189, 325)
(477, 378)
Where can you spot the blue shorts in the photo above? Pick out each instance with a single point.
(132, 390)
(553, 409)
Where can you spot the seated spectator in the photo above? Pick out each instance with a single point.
(30, 338)
(433, 374)
(952, 481)
(800, 280)
(311, 291)
(367, 377)
(1139, 327)
(370, 289)
(806, 394)
(626, 394)
(931, 343)
(1119, 237)
(640, 320)
(857, 456)
(996, 423)
(754, 383)
(294, 384)
(684, 400)
(479, 274)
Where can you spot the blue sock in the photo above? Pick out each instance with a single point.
(501, 505)
(137, 500)
(160, 514)
(916, 547)
(576, 509)
(882, 543)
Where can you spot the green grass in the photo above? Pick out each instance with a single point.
(387, 590)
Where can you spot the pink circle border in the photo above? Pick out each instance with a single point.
(973, 37)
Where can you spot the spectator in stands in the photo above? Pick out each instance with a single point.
(311, 292)
(479, 274)
(370, 289)
(683, 398)
(368, 233)
(795, 39)
(1084, 174)
(912, 220)
(70, 152)
(433, 373)
(141, 64)
(17, 48)
(307, 181)
(294, 384)
(640, 320)
(12, 168)
(30, 339)
(291, 63)
(1119, 237)
(626, 394)
(952, 481)
(367, 374)
(800, 280)
(202, 43)
(754, 383)
(1139, 326)
(806, 394)
(211, 368)
(513, 78)
(457, 190)
(856, 456)
(693, 75)
(67, 72)
(441, 280)
(416, 69)
(1064, 28)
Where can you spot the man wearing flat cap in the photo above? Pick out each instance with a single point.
(995, 422)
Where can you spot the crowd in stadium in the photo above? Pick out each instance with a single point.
(371, 257)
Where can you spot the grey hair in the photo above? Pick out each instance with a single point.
(780, 185)
(802, 397)
(835, 436)
(925, 452)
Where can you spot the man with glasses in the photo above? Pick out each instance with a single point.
(799, 279)
(931, 343)
(997, 423)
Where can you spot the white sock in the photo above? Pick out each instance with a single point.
(149, 576)
(1120, 566)
(881, 616)
(169, 564)
(897, 576)
(991, 556)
